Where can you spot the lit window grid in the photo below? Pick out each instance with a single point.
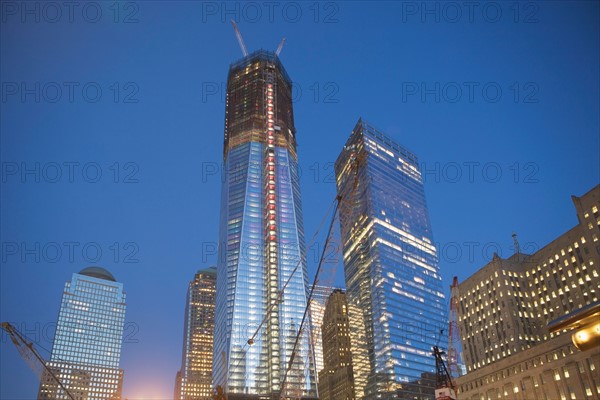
(336, 379)
(539, 372)
(526, 296)
(89, 335)
(242, 303)
(195, 376)
(387, 241)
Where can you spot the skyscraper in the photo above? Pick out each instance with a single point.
(336, 379)
(87, 343)
(390, 261)
(261, 240)
(317, 308)
(194, 379)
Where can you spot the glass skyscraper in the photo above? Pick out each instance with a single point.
(194, 380)
(87, 344)
(261, 241)
(390, 260)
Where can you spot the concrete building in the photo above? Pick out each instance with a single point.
(507, 306)
(336, 379)
(553, 370)
(194, 380)
(317, 309)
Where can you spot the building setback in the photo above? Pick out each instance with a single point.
(336, 379)
(390, 261)
(87, 344)
(194, 379)
(506, 307)
(261, 241)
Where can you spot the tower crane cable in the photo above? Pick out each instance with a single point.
(19, 340)
(280, 294)
(355, 161)
(327, 282)
(38, 344)
(312, 289)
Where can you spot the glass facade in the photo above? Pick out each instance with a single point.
(317, 309)
(261, 241)
(194, 380)
(87, 345)
(390, 261)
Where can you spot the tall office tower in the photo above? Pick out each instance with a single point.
(194, 380)
(336, 379)
(507, 311)
(317, 308)
(501, 333)
(390, 261)
(87, 343)
(261, 241)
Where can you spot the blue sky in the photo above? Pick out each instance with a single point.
(121, 122)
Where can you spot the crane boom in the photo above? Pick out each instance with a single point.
(240, 39)
(30, 354)
(280, 47)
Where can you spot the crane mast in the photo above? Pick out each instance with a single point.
(445, 388)
(455, 360)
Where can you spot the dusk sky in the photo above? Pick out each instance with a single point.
(120, 108)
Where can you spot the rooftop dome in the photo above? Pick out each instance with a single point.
(98, 272)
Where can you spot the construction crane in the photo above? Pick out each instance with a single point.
(280, 47)
(455, 363)
(445, 388)
(355, 160)
(240, 39)
(346, 196)
(31, 356)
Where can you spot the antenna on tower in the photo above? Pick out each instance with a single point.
(240, 38)
(516, 243)
(280, 47)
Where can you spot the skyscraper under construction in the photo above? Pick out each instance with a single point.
(261, 277)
